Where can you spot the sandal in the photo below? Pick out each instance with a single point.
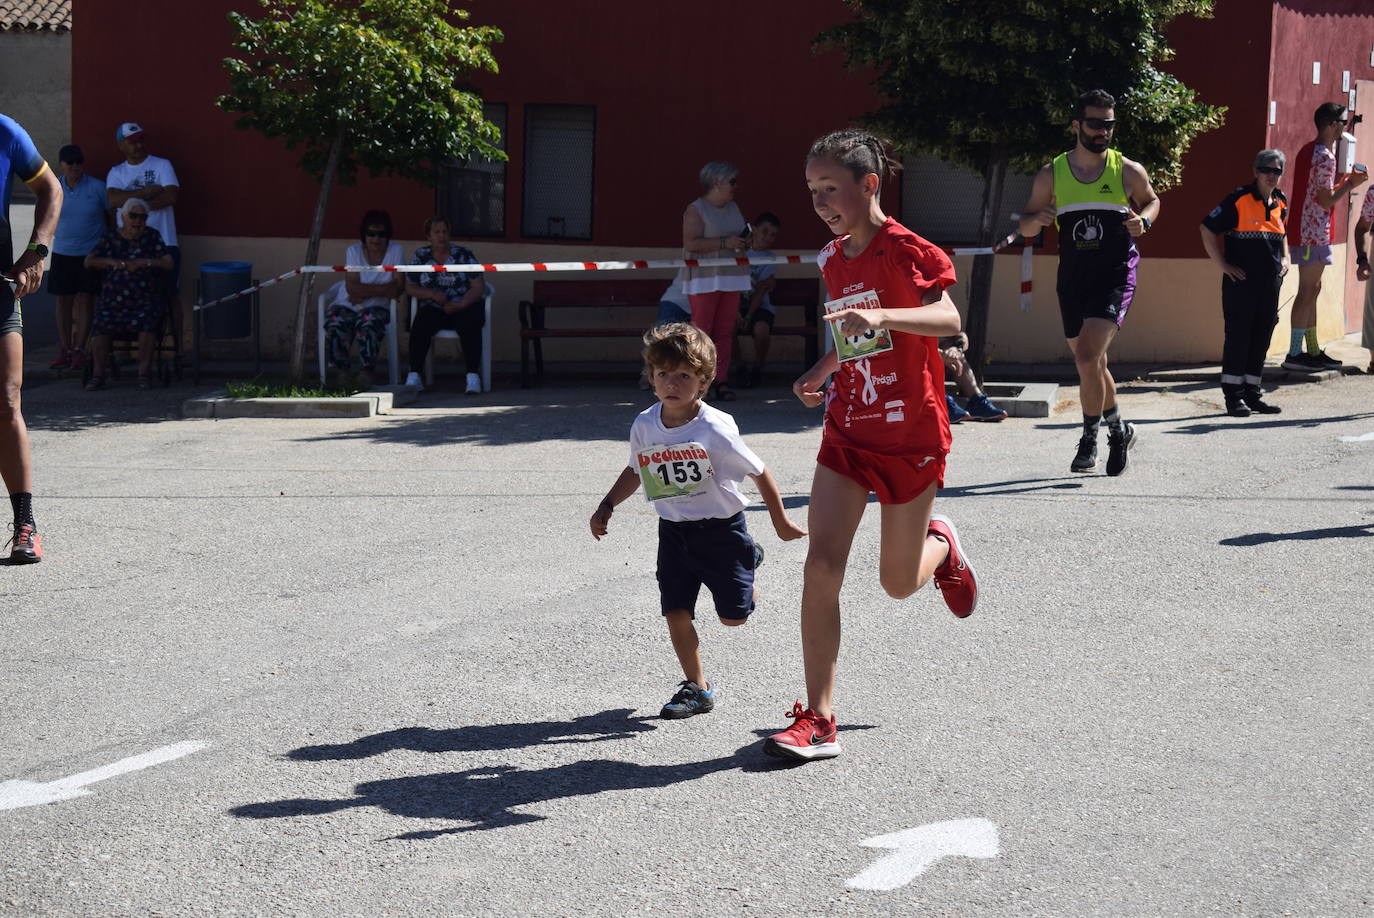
(95, 382)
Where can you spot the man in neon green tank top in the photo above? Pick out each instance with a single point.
(1101, 202)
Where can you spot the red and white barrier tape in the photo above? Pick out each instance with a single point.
(580, 266)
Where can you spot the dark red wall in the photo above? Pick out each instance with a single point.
(673, 89)
(1225, 59)
(1340, 34)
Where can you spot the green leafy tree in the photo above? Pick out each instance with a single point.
(372, 84)
(992, 86)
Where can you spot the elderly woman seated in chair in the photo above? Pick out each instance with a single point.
(133, 295)
(361, 310)
(447, 301)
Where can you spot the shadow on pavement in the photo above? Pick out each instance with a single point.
(488, 797)
(591, 728)
(1140, 422)
(502, 419)
(1306, 535)
(1244, 424)
(1068, 482)
(51, 403)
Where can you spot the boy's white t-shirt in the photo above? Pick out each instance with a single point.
(717, 494)
(154, 170)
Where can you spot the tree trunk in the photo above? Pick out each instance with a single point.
(980, 284)
(312, 253)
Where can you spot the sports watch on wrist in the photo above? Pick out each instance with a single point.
(38, 247)
(1145, 222)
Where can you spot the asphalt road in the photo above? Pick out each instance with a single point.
(412, 684)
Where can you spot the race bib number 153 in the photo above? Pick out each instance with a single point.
(673, 471)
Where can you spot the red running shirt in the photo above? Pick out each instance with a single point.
(892, 403)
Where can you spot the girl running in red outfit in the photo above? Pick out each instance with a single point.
(886, 428)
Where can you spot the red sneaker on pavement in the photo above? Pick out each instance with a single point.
(63, 361)
(954, 578)
(78, 359)
(811, 736)
(27, 546)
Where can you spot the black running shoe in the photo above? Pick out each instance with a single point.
(1119, 443)
(1086, 459)
(1303, 363)
(1326, 360)
(689, 699)
(1254, 398)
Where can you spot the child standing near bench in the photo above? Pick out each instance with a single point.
(690, 460)
(886, 430)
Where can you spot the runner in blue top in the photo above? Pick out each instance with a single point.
(19, 157)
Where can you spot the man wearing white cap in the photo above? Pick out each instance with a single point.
(151, 178)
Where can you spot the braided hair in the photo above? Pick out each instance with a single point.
(858, 151)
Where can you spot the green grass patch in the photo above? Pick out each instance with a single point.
(280, 388)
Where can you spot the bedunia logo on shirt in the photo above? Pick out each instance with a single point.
(673, 455)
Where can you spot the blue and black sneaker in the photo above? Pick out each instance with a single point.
(689, 699)
(981, 408)
(956, 413)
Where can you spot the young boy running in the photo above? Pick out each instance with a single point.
(690, 460)
(886, 429)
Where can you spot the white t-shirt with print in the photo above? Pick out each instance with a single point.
(154, 170)
(717, 494)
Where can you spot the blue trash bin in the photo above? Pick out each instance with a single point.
(234, 318)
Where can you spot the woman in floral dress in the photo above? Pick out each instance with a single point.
(133, 296)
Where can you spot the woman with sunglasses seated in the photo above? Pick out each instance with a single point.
(1245, 236)
(361, 309)
(132, 295)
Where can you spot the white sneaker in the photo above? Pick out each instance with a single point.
(474, 383)
(413, 380)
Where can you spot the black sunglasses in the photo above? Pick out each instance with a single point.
(135, 215)
(1269, 170)
(383, 233)
(1100, 124)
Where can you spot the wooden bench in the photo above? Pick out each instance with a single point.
(630, 306)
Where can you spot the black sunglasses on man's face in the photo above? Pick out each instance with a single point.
(1100, 124)
(1269, 170)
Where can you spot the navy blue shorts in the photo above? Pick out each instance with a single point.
(716, 553)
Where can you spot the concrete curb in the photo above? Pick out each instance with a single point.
(381, 400)
(1019, 400)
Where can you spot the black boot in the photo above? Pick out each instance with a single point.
(1236, 405)
(1254, 399)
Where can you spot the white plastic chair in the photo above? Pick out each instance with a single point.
(393, 362)
(453, 335)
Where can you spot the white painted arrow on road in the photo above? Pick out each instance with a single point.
(914, 850)
(17, 794)
(1360, 438)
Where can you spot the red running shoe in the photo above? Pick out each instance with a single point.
(811, 736)
(954, 578)
(63, 361)
(27, 545)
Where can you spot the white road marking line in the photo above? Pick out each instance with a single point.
(17, 794)
(1368, 436)
(914, 850)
